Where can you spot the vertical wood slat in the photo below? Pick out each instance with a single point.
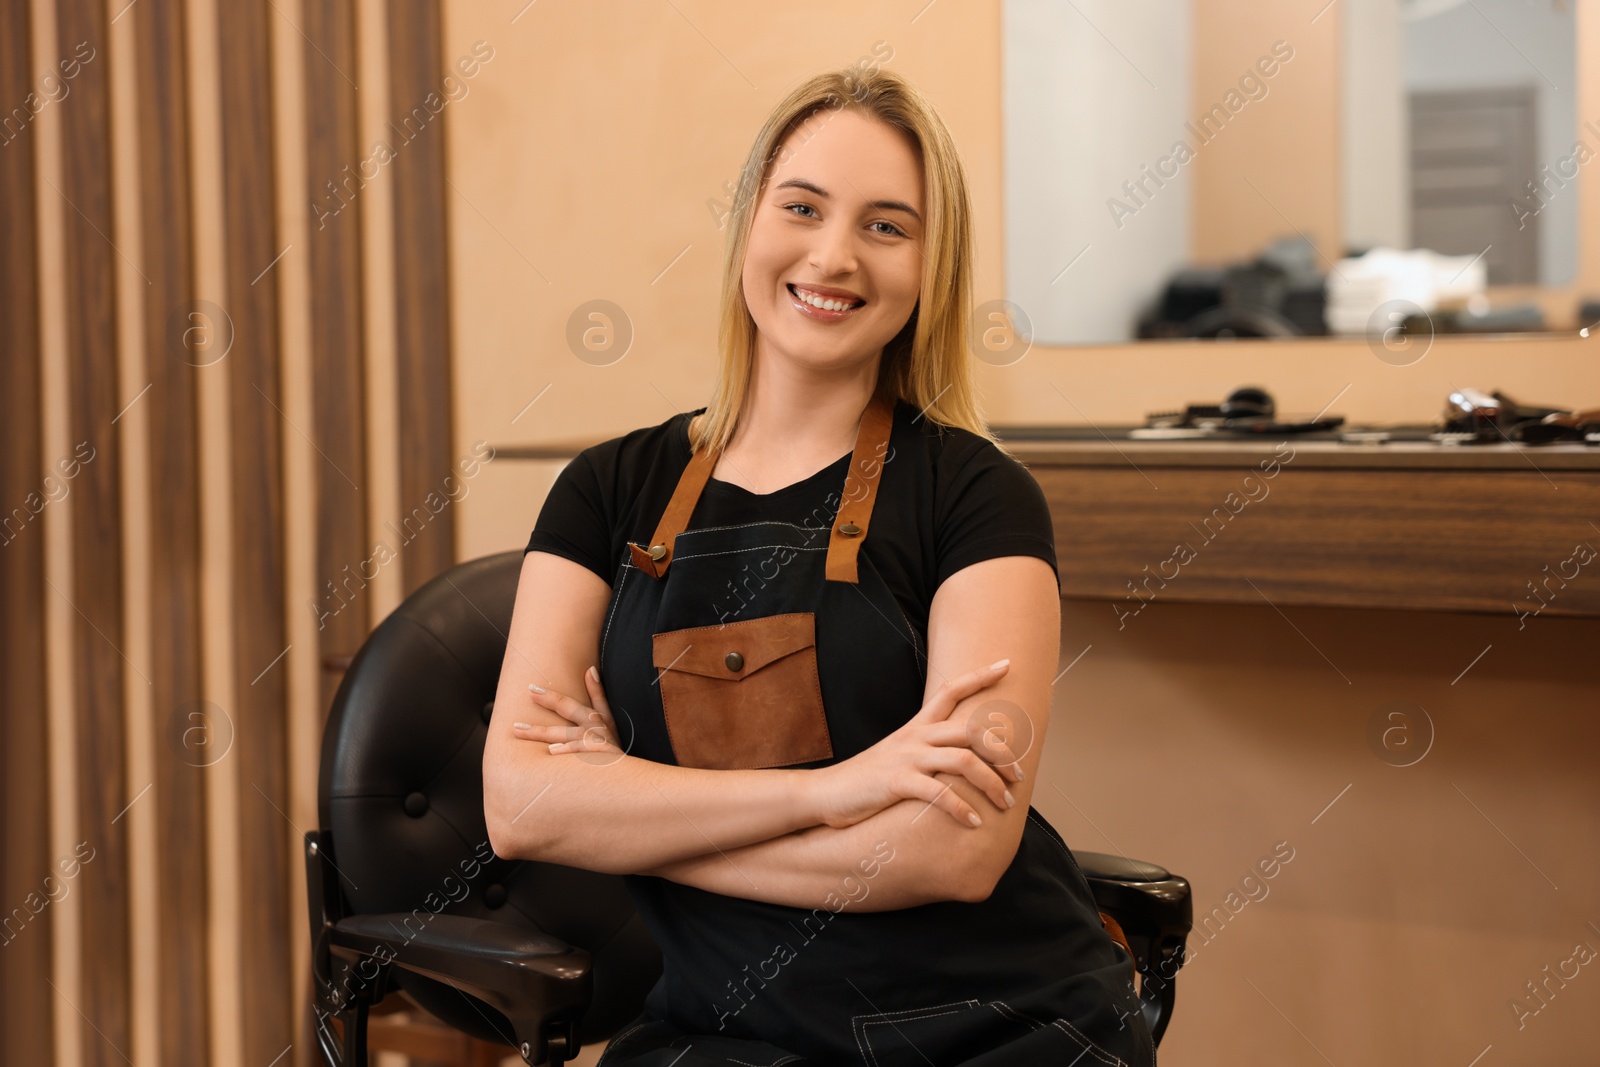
(338, 376)
(27, 1005)
(96, 540)
(422, 332)
(255, 424)
(185, 733)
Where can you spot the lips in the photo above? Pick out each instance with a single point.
(820, 315)
(843, 296)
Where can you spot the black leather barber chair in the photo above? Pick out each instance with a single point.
(406, 894)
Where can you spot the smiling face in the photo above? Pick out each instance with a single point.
(837, 224)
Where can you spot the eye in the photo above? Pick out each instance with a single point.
(893, 230)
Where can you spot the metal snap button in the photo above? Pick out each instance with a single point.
(850, 529)
(734, 661)
(657, 552)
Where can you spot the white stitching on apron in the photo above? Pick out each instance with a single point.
(762, 522)
(616, 1040)
(1089, 1046)
(616, 598)
(927, 1012)
(915, 648)
(890, 1017)
(1011, 1013)
(747, 548)
(1054, 840)
(922, 657)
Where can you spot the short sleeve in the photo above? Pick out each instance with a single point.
(572, 523)
(991, 506)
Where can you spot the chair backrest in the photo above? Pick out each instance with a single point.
(400, 795)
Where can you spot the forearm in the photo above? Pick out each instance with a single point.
(905, 855)
(620, 815)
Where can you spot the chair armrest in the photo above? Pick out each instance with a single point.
(540, 984)
(1118, 868)
(1138, 894)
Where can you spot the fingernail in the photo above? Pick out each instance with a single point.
(1011, 801)
(1021, 774)
(556, 747)
(521, 726)
(594, 674)
(998, 665)
(536, 688)
(972, 817)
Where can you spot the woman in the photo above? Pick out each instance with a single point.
(821, 607)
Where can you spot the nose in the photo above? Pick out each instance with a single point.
(833, 251)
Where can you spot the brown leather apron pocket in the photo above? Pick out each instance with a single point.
(743, 694)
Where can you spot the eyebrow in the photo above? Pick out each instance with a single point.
(881, 205)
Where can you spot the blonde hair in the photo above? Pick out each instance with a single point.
(926, 363)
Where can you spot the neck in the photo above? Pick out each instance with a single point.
(808, 414)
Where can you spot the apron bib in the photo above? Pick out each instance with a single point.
(747, 646)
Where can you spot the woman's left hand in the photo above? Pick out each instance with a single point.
(588, 728)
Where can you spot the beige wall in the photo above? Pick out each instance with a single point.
(1273, 168)
(1198, 737)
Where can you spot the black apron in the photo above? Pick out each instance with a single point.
(1028, 976)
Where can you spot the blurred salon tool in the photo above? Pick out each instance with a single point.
(1561, 426)
(1473, 415)
(1248, 409)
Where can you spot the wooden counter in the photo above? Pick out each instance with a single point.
(1497, 528)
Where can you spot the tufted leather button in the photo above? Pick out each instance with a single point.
(488, 710)
(734, 661)
(657, 552)
(495, 895)
(416, 804)
(850, 529)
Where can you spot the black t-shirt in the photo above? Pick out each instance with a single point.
(947, 499)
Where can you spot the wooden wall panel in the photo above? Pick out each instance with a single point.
(96, 541)
(186, 736)
(256, 422)
(422, 335)
(85, 997)
(339, 380)
(27, 1006)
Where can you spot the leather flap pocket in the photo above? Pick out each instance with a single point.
(733, 651)
(744, 694)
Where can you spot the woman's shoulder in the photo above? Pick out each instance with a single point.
(636, 451)
(946, 448)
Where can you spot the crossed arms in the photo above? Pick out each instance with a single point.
(795, 837)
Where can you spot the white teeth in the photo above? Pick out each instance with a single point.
(820, 302)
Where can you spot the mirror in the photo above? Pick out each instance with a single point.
(1214, 169)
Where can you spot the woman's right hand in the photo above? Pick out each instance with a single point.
(902, 765)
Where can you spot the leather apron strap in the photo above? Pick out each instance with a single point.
(849, 525)
(1114, 928)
